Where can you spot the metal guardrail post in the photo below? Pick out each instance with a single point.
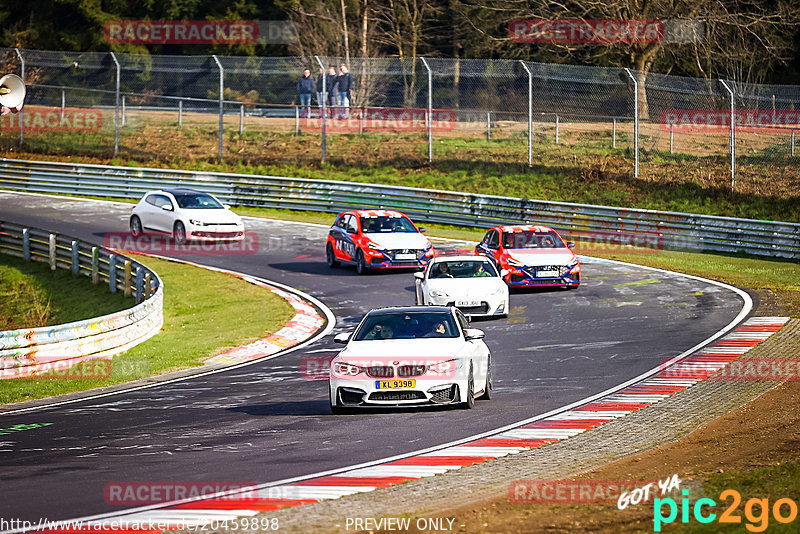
(430, 110)
(732, 134)
(148, 284)
(116, 106)
(76, 266)
(26, 244)
(530, 112)
(139, 284)
(22, 111)
(324, 112)
(221, 101)
(51, 251)
(112, 273)
(635, 123)
(95, 265)
(126, 284)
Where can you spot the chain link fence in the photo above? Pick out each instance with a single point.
(580, 119)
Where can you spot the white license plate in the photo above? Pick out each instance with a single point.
(546, 274)
(468, 303)
(405, 257)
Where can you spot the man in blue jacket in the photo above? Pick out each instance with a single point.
(305, 88)
(345, 84)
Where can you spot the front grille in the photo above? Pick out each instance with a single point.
(380, 371)
(411, 370)
(483, 308)
(444, 395)
(217, 234)
(397, 396)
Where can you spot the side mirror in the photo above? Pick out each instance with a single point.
(419, 275)
(342, 338)
(473, 333)
(570, 244)
(167, 207)
(226, 206)
(422, 229)
(503, 273)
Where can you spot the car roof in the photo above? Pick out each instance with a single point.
(377, 213)
(182, 191)
(458, 257)
(523, 228)
(392, 310)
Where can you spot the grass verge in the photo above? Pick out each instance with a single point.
(31, 295)
(205, 313)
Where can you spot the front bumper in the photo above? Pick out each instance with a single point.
(362, 393)
(385, 260)
(527, 277)
(487, 307)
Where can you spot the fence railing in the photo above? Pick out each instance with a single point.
(712, 126)
(33, 351)
(583, 223)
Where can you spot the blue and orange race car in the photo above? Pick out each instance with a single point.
(533, 255)
(377, 239)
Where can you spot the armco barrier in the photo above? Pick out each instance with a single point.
(30, 352)
(663, 229)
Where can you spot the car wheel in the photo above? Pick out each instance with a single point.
(487, 389)
(330, 257)
(136, 226)
(361, 263)
(469, 403)
(338, 410)
(179, 233)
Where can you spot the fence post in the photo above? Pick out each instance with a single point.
(614, 133)
(324, 112)
(22, 111)
(430, 110)
(63, 103)
(147, 286)
(297, 119)
(116, 106)
(530, 112)
(122, 122)
(221, 100)
(671, 137)
(489, 125)
(635, 123)
(556, 128)
(139, 284)
(732, 135)
(792, 142)
(95, 265)
(241, 119)
(180, 113)
(126, 288)
(76, 268)
(361, 121)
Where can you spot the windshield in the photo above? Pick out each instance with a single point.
(375, 225)
(197, 201)
(531, 239)
(407, 326)
(477, 268)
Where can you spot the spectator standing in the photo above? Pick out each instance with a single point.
(332, 85)
(305, 87)
(345, 84)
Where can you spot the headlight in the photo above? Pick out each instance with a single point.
(515, 263)
(446, 368)
(439, 294)
(373, 246)
(342, 368)
(573, 263)
(496, 291)
(196, 222)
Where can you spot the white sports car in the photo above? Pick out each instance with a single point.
(471, 283)
(187, 215)
(414, 355)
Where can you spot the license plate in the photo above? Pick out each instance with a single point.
(468, 303)
(405, 257)
(395, 384)
(546, 274)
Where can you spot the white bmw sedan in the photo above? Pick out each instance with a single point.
(186, 215)
(409, 356)
(471, 283)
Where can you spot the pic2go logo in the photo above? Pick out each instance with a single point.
(756, 511)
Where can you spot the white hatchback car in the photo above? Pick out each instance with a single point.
(411, 356)
(471, 283)
(186, 215)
